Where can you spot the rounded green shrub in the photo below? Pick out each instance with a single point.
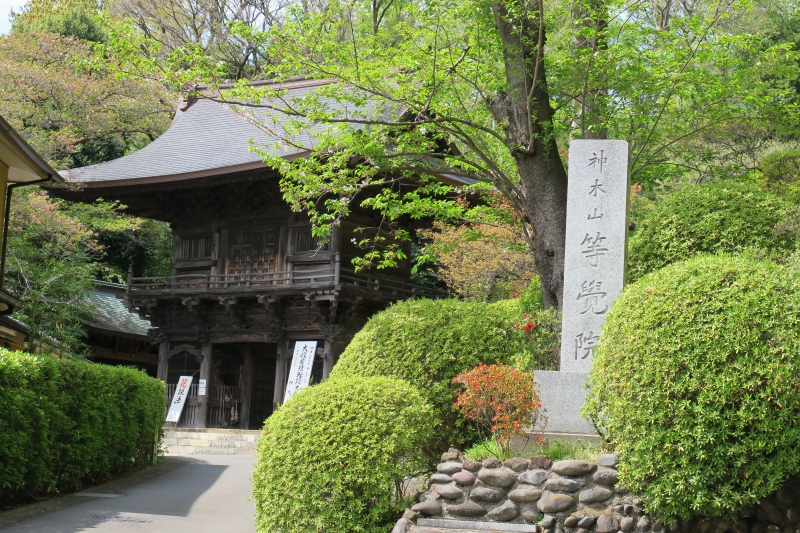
(723, 217)
(696, 384)
(332, 458)
(429, 342)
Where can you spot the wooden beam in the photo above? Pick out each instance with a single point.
(205, 373)
(280, 374)
(163, 361)
(246, 387)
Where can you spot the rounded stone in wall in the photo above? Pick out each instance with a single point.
(551, 502)
(606, 524)
(499, 477)
(485, 494)
(573, 467)
(440, 478)
(606, 476)
(449, 468)
(464, 477)
(534, 477)
(595, 495)
(467, 510)
(524, 494)
(504, 513)
(428, 508)
(450, 492)
(563, 484)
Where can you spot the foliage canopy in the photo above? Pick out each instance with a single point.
(723, 217)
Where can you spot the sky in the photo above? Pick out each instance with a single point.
(5, 8)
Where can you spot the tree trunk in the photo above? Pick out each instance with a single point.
(590, 37)
(528, 119)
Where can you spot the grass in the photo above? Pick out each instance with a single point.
(555, 450)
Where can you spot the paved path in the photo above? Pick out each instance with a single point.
(206, 494)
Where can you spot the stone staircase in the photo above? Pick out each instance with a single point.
(194, 441)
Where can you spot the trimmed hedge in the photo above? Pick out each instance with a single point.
(428, 343)
(331, 458)
(696, 384)
(65, 424)
(723, 217)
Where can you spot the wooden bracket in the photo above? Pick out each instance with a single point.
(191, 304)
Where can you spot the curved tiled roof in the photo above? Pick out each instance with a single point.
(110, 312)
(210, 138)
(205, 136)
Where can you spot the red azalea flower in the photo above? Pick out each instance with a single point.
(527, 328)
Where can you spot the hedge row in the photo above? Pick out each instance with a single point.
(65, 424)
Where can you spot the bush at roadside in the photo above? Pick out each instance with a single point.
(332, 457)
(429, 342)
(696, 384)
(66, 424)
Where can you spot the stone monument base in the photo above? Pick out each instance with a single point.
(562, 395)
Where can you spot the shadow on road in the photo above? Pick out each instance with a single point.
(172, 494)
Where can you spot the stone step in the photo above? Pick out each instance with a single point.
(189, 441)
(433, 525)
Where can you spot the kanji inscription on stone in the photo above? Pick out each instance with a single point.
(594, 255)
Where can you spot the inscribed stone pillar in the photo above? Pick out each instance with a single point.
(594, 272)
(594, 255)
(205, 373)
(163, 361)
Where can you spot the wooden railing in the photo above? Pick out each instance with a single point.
(193, 282)
(224, 404)
(332, 276)
(388, 286)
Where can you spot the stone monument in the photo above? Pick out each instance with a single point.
(594, 272)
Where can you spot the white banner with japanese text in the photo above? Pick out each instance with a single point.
(181, 393)
(300, 373)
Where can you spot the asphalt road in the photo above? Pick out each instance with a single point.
(205, 494)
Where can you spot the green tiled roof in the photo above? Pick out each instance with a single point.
(111, 313)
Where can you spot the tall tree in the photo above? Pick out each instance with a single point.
(474, 88)
(66, 103)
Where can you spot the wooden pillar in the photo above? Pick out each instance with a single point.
(3, 186)
(246, 387)
(163, 361)
(280, 374)
(330, 359)
(205, 373)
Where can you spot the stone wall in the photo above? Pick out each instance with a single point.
(566, 497)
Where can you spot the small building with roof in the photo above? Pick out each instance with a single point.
(116, 336)
(20, 165)
(248, 278)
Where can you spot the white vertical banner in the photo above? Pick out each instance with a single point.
(300, 373)
(181, 393)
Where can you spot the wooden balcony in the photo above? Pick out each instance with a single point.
(298, 280)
